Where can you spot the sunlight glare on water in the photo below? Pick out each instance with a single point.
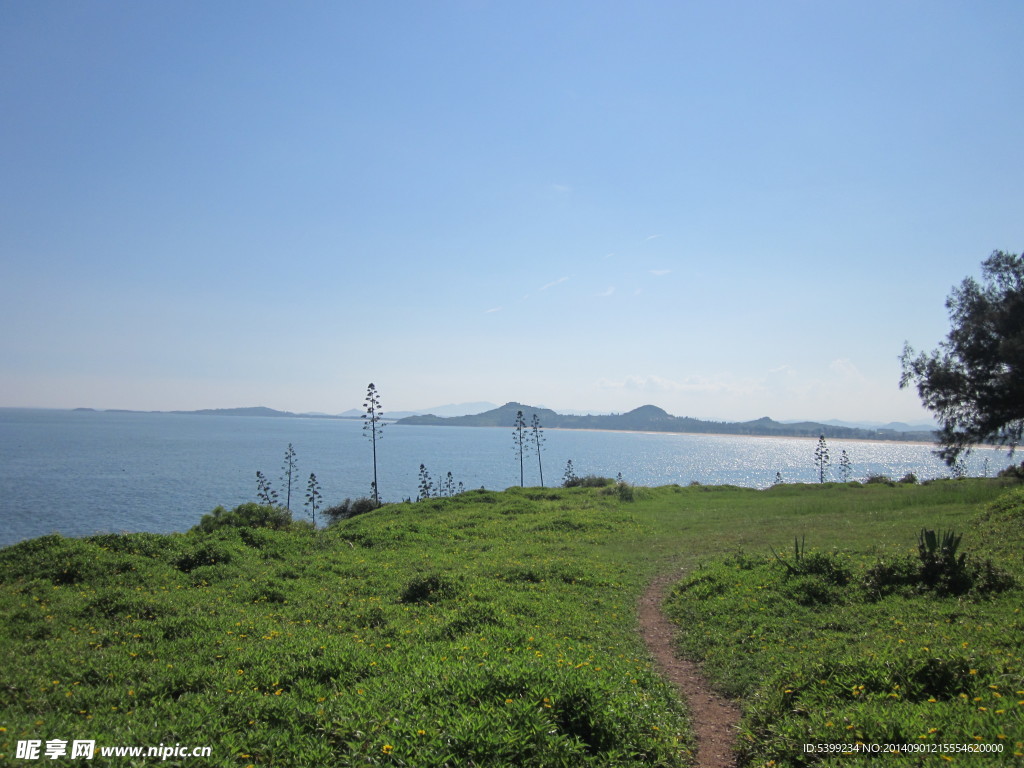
(81, 472)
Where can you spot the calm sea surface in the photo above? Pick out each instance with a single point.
(78, 473)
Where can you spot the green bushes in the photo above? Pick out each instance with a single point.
(349, 508)
(939, 569)
(588, 481)
(249, 515)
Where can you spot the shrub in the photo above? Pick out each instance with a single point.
(590, 481)
(1014, 471)
(249, 515)
(885, 578)
(205, 553)
(909, 479)
(810, 591)
(349, 508)
(873, 478)
(429, 589)
(623, 490)
(941, 568)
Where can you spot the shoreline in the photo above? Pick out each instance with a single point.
(701, 434)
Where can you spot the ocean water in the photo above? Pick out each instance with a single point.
(82, 472)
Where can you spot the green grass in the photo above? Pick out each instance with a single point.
(489, 629)
(817, 653)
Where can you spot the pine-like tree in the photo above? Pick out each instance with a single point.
(537, 436)
(373, 429)
(426, 487)
(289, 470)
(844, 467)
(519, 443)
(570, 474)
(974, 381)
(821, 460)
(313, 497)
(264, 492)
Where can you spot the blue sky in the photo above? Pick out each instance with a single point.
(728, 209)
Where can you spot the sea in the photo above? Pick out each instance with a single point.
(82, 472)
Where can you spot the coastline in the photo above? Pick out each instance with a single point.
(700, 434)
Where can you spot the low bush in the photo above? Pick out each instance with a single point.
(589, 481)
(1014, 471)
(249, 515)
(349, 508)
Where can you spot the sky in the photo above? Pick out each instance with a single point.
(727, 209)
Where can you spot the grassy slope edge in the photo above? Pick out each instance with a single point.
(487, 629)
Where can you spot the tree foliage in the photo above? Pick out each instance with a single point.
(537, 436)
(373, 429)
(426, 485)
(264, 492)
(570, 475)
(313, 496)
(290, 471)
(821, 459)
(519, 443)
(974, 381)
(845, 467)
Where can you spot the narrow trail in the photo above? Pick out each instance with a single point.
(714, 718)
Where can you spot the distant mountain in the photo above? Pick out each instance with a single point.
(256, 411)
(650, 418)
(895, 426)
(456, 409)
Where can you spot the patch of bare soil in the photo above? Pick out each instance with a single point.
(714, 718)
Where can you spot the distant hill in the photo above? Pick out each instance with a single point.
(454, 409)
(650, 418)
(255, 411)
(895, 426)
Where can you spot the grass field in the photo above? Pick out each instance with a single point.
(499, 629)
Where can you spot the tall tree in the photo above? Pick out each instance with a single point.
(373, 428)
(974, 381)
(426, 487)
(264, 492)
(537, 436)
(289, 469)
(845, 468)
(821, 460)
(313, 496)
(519, 443)
(569, 478)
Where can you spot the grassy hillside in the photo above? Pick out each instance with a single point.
(487, 629)
(864, 642)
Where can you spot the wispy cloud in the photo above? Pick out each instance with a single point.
(660, 272)
(561, 188)
(553, 283)
(494, 309)
(651, 237)
(609, 292)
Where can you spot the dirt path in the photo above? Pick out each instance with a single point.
(714, 718)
